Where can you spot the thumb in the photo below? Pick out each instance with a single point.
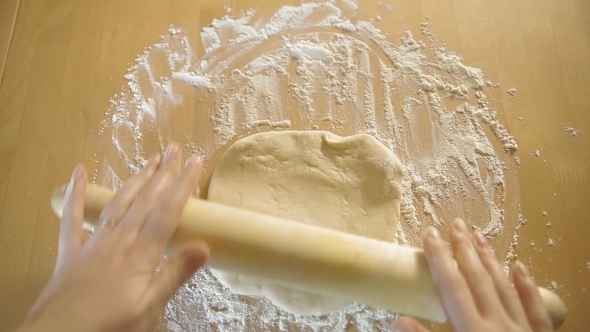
(406, 324)
(177, 270)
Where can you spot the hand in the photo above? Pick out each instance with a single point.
(108, 283)
(476, 293)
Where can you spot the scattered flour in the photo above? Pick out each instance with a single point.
(335, 73)
(197, 81)
(573, 132)
(554, 286)
(511, 91)
(511, 256)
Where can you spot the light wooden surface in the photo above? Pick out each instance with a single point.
(8, 9)
(66, 59)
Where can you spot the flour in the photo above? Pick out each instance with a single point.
(303, 48)
(314, 67)
(511, 256)
(511, 91)
(197, 81)
(554, 286)
(573, 132)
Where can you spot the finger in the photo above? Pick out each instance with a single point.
(506, 292)
(164, 219)
(406, 324)
(536, 313)
(455, 295)
(175, 272)
(71, 230)
(118, 205)
(166, 174)
(479, 280)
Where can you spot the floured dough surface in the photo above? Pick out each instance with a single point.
(351, 184)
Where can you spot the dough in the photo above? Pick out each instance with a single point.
(351, 184)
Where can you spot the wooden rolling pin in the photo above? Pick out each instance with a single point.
(305, 257)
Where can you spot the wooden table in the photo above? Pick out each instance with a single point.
(65, 59)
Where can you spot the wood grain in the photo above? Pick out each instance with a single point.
(67, 58)
(8, 10)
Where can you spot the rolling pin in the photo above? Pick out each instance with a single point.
(305, 257)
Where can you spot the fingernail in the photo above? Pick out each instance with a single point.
(521, 269)
(432, 232)
(77, 175)
(154, 159)
(172, 150)
(459, 226)
(71, 183)
(480, 240)
(193, 160)
(80, 172)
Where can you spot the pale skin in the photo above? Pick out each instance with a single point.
(108, 282)
(476, 293)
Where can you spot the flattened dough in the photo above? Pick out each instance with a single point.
(351, 184)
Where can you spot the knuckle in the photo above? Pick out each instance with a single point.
(108, 211)
(506, 291)
(151, 193)
(481, 276)
(462, 245)
(164, 181)
(456, 284)
(464, 241)
(167, 203)
(467, 251)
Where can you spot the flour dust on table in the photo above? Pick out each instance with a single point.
(319, 66)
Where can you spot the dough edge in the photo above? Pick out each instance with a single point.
(292, 300)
